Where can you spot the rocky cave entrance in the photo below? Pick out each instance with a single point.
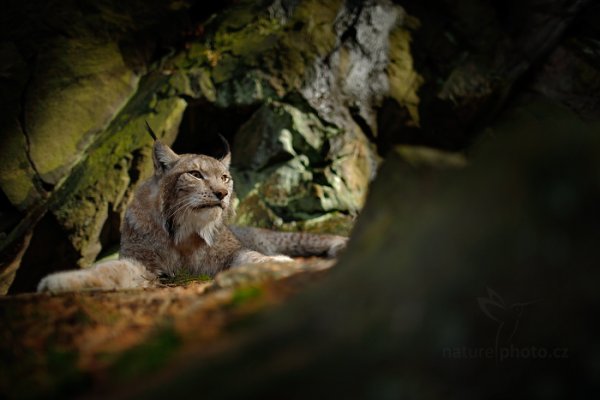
(203, 122)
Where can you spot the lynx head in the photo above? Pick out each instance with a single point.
(194, 192)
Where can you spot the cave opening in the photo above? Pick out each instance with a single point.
(201, 124)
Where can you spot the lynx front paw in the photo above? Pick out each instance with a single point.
(55, 283)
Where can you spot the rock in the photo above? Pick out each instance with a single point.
(255, 274)
(86, 206)
(296, 170)
(18, 179)
(351, 79)
(467, 59)
(9, 267)
(570, 74)
(420, 157)
(81, 342)
(404, 80)
(74, 93)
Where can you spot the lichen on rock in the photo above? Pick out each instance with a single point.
(302, 168)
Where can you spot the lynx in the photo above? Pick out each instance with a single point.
(177, 222)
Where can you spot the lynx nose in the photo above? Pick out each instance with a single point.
(220, 193)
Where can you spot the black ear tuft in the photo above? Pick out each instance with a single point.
(162, 155)
(226, 159)
(150, 131)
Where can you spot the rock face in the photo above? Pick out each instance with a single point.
(299, 172)
(304, 76)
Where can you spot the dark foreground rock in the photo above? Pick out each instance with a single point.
(459, 282)
(471, 283)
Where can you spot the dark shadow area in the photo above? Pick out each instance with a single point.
(46, 254)
(111, 233)
(9, 215)
(202, 124)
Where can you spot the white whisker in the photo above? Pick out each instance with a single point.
(180, 206)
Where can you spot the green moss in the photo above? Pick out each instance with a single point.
(88, 82)
(252, 55)
(103, 179)
(334, 223)
(245, 294)
(146, 357)
(183, 277)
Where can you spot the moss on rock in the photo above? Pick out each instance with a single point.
(82, 85)
(109, 174)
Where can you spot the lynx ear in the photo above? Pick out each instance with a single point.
(163, 157)
(226, 159)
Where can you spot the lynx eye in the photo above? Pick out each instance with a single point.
(225, 178)
(196, 174)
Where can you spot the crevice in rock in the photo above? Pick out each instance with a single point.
(348, 31)
(362, 123)
(9, 216)
(40, 185)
